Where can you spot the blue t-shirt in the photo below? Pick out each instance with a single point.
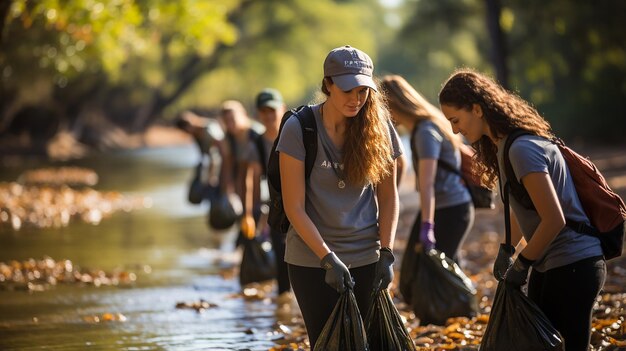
(531, 154)
(430, 143)
(347, 218)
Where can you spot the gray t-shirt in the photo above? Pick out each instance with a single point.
(347, 218)
(531, 154)
(252, 153)
(431, 144)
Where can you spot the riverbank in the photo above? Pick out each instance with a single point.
(175, 260)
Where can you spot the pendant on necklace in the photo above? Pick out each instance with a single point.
(341, 184)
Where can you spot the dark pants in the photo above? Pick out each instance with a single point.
(317, 299)
(452, 224)
(566, 295)
(282, 275)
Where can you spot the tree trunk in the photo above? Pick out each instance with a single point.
(498, 46)
(4, 11)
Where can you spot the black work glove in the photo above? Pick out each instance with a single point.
(503, 261)
(337, 274)
(518, 273)
(384, 269)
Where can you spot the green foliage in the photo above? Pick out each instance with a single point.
(567, 58)
(283, 45)
(108, 34)
(134, 61)
(137, 60)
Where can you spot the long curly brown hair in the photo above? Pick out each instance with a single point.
(368, 153)
(503, 110)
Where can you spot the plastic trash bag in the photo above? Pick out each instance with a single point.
(441, 290)
(257, 261)
(517, 323)
(225, 211)
(408, 267)
(384, 327)
(344, 330)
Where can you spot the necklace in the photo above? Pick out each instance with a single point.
(334, 165)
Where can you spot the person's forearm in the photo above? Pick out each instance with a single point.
(426, 178)
(248, 191)
(388, 212)
(307, 230)
(400, 168)
(427, 203)
(226, 168)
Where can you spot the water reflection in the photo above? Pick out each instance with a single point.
(170, 249)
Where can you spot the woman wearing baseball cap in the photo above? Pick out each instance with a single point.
(344, 217)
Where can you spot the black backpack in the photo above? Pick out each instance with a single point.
(277, 219)
(604, 208)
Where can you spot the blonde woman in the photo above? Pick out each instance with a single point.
(344, 217)
(446, 211)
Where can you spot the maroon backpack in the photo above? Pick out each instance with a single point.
(604, 208)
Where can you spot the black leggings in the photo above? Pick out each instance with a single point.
(452, 224)
(566, 295)
(317, 299)
(282, 276)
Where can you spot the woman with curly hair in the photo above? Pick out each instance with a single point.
(568, 269)
(344, 216)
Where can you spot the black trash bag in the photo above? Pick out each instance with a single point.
(200, 190)
(344, 330)
(195, 195)
(257, 261)
(225, 211)
(384, 327)
(517, 323)
(441, 290)
(408, 267)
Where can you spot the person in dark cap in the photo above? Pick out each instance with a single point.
(344, 216)
(270, 107)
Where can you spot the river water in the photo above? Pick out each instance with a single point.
(168, 246)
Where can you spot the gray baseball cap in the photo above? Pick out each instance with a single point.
(269, 97)
(349, 68)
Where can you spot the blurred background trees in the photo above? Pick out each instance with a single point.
(85, 67)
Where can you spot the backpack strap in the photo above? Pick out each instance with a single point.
(414, 148)
(309, 137)
(514, 186)
(448, 167)
(440, 163)
(521, 195)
